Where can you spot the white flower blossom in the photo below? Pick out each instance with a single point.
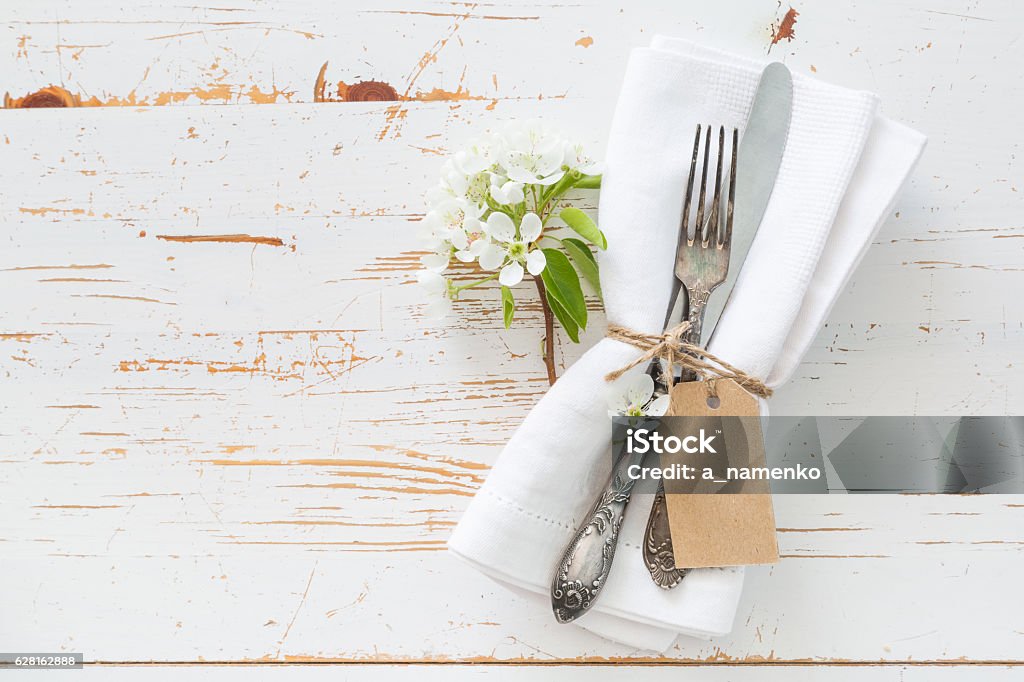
(454, 184)
(532, 153)
(453, 180)
(633, 396)
(576, 158)
(511, 252)
(453, 224)
(505, 191)
(478, 244)
(440, 248)
(467, 174)
(439, 259)
(477, 157)
(435, 287)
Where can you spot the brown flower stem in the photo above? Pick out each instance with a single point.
(549, 331)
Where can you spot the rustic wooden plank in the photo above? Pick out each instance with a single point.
(244, 51)
(328, 183)
(283, 568)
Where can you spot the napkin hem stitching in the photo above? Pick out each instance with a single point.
(515, 507)
(551, 522)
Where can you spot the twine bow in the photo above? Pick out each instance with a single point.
(671, 348)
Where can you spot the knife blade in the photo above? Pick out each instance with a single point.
(759, 158)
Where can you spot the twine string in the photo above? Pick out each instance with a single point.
(670, 347)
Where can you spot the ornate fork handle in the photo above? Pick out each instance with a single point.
(658, 554)
(583, 569)
(698, 301)
(657, 548)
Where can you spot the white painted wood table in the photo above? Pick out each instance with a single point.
(227, 435)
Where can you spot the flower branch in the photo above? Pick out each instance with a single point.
(494, 206)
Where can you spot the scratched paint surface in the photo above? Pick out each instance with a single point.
(227, 434)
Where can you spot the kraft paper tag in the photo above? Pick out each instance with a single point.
(721, 522)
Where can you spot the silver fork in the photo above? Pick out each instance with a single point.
(702, 264)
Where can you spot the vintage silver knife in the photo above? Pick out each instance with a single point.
(760, 155)
(587, 560)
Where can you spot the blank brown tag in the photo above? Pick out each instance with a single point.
(727, 528)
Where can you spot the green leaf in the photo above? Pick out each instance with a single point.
(584, 226)
(589, 182)
(564, 284)
(585, 262)
(571, 328)
(508, 306)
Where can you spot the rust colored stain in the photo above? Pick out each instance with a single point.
(379, 91)
(439, 95)
(77, 506)
(221, 92)
(364, 475)
(408, 261)
(117, 297)
(51, 97)
(488, 17)
(365, 545)
(320, 85)
(222, 238)
(585, 41)
(819, 530)
(351, 463)
(360, 91)
(464, 492)
(232, 449)
(327, 362)
(354, 524)
(157, 364)
(394, 114)
(217, 92)
(784, 30)
(369, 91)
(43, 210)
(97, 266)
(19, 336)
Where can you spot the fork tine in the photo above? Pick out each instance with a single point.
(711, 232)
(732, 190)
(698, 230)
(684, 228)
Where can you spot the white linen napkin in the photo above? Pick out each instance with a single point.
(547, 478)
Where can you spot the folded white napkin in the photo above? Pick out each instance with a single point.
(809, 242)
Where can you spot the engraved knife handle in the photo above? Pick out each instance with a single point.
(584, 567)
